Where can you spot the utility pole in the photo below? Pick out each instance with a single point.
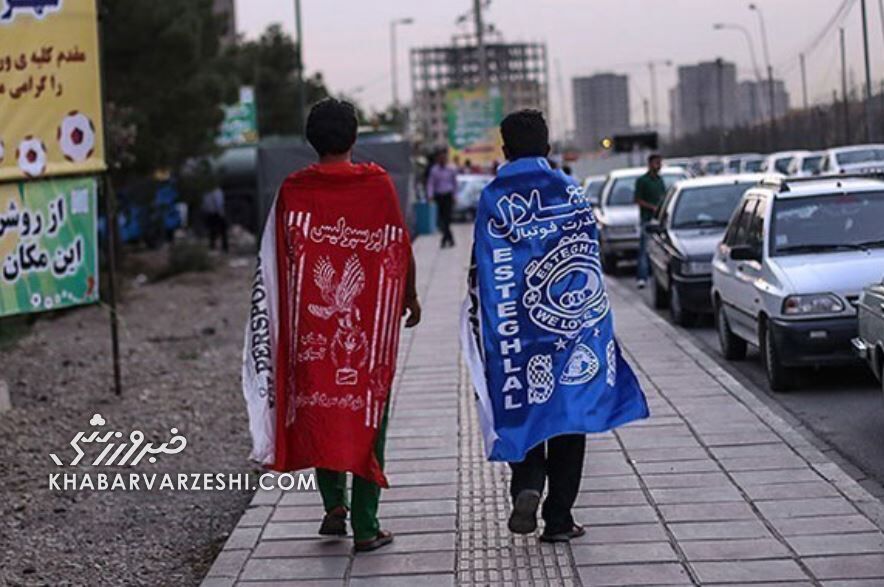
(868, 96)
(652, 67)
(844, 98)
(480, 42)
(804, 81)
(647, 113)
(719, 66)
(302, 91)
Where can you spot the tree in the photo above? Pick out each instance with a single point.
(270, 64)
(163, 79)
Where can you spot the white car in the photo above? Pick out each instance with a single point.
(788, 274)
(617, 213)
(734, 163)
(751, 164)
(779, 162)
(806, 165)
(592, 187)
(853, 159)
(466, 198)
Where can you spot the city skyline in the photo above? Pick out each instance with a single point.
(579, 38)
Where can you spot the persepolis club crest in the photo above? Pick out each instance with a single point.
(565, 289)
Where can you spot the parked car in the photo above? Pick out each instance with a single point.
(682, 240)
(592, 187)
(712, 166)
(617, 213)
(788, 274)
(466, 198)
(751, 164)
(779, 162)
(806, 164)
(853, 159)
(869, 345)
(734, 163)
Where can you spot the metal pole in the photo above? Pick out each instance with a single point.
(111, 224)
(804, 81)
(393, 68)
(868, 96)
(846, 107)
(653, 70)
(480, 42)
(302, 90)
(719, 64)
(770, 81)
(647, 115)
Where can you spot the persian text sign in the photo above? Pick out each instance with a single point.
(48, 248)
(50, 98)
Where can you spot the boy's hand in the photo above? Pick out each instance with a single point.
(413, 309)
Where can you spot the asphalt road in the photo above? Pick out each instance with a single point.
(842, 407)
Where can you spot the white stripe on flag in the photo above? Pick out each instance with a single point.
(368, 408)
(377, 314)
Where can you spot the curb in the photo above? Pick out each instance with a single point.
(867, 503)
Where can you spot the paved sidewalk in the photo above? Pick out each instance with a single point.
(713, 489)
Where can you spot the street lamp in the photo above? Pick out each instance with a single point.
(773, 117)
(394, 70)
(725, 26)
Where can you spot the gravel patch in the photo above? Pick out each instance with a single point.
(181, 343)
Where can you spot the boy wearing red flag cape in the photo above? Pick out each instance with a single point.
(335, 274)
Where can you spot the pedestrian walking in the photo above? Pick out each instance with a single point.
(441, 185)
(649, 192)
(214, 215)
(335, 275)
(538, 331)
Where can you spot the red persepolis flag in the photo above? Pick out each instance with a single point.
(323, 332)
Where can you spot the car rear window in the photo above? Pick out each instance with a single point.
(827, 223)
(860, 156)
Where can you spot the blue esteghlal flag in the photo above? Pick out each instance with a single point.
(538, 331)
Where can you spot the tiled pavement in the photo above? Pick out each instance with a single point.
(714, 489)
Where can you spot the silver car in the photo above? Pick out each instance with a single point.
(869, 345)
(617, 213)
(789, 272)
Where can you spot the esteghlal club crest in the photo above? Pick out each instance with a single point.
(565, 289)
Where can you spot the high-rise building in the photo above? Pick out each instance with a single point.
(754, 99)
(706, 96)
(226, 11)
(601, 107)
(517, 70)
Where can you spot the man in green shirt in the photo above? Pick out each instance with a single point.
(649, 192)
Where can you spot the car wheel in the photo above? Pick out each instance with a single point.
(733, 348)
(679, 315)
(659, 296)
(779, 378)
(609, 264)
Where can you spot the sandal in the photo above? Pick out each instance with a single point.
(576, 531)
(334, 523)
(382, 539)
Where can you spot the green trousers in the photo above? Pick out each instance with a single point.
(366, 495)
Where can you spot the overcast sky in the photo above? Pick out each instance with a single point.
(348, 40)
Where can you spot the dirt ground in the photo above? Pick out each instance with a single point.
(181, 345)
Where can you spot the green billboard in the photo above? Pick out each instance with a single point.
(48, 245)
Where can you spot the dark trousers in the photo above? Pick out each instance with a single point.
(216, 225)
(560, 460)
(444, 208)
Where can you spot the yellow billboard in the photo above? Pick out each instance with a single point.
(50, 89)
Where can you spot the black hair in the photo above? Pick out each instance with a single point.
(525, 134)
(566, 169)
(331, 126)
(653, 157)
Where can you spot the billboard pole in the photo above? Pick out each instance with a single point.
(110, 195)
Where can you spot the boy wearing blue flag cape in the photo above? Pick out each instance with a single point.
(538, 331)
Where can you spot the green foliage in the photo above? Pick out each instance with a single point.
(270, 66)
(165, 79)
